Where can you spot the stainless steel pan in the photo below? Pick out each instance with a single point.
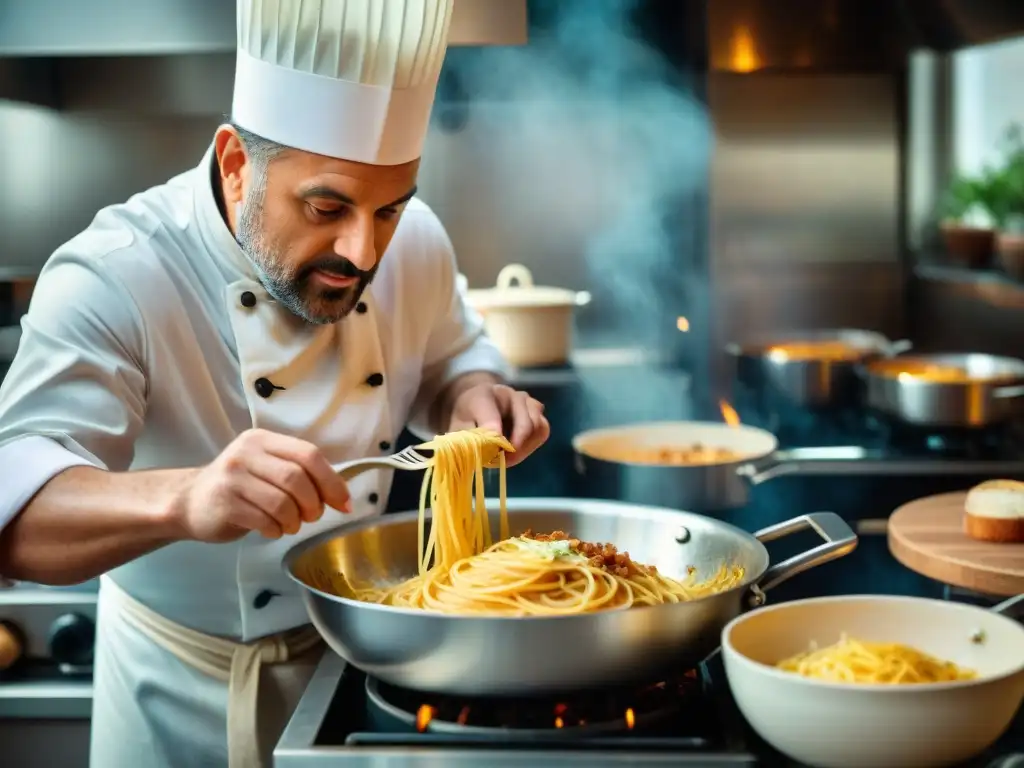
(602, 458)
(808, 381)
(992, 389)
(516, 656)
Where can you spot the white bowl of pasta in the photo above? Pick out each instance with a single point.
(804, 674)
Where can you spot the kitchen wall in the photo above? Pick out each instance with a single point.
(805, 201)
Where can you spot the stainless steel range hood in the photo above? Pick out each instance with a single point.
(849, 35)
(52, 28)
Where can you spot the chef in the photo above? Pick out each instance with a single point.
(194, 362)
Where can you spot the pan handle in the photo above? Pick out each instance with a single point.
(839, 540)
(1007, 607)
(1007, 393)
(756, 473)
(899, 347)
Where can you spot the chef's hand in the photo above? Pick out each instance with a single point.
(262, 482)
(504, 410)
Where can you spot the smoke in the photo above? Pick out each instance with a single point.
(612, 144)
(603, 147)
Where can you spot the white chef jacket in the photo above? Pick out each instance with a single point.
(142, 348)
(138, 351)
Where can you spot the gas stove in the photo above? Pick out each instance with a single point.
(857, 441)
(347, 719)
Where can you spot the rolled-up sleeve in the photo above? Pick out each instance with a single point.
(76, 392)
(457, 344)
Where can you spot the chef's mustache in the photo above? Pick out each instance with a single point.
(339, 267)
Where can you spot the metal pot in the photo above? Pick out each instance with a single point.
(805, 372)
(947, 390)
(603, 459)
(531, 325)
(473, 655)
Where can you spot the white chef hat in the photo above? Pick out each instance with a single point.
(352, 79)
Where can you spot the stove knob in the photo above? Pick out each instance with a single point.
(12, 645)
(72, 637)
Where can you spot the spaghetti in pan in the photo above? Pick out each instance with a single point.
(464, 570)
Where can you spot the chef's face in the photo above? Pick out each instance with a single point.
(314, 226)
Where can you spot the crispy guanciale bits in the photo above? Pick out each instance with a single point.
(600, 555)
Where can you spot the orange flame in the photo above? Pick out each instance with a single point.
(560, 709)
(682, 324)
(423, 717)
(729, 414)
(630, 718)
(463, 716)
(743, 55)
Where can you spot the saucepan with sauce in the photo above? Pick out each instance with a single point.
(946, 390)
(811, 369)
(690, 465)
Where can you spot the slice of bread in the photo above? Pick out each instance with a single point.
(995, 511)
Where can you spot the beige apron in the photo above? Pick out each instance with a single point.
(237, 664)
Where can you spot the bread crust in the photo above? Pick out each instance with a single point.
(995, 511)
(996, 529)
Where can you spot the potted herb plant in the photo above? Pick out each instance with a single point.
(968, 224)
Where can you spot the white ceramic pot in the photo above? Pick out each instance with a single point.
(834, 725)
(531, 325)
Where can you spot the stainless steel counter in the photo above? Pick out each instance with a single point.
(46, 699)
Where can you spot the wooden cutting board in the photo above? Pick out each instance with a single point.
(927, 536)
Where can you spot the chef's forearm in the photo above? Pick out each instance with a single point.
(85, 522)
(441, 413)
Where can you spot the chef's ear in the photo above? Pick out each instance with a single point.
(232, 162)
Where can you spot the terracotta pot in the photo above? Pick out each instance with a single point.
(970, 246)
(1010, 249)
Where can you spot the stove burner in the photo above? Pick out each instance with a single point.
(580, 714)
(796, 426)
(992, 442)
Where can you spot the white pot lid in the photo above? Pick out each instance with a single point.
(515, 289)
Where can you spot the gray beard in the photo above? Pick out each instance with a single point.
(290, 292)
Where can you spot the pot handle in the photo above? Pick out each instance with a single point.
(579, 464)
(1007, 393)
(1006, 607)
(757, 473)
(899, 347)
(514, 275)
(839, 540)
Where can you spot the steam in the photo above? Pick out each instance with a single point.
(619, 178)
(600, 149)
